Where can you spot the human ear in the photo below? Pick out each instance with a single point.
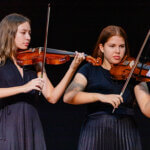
(101, 48)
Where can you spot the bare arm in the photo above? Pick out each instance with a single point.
(35, 84)
(6, 92)
(53, 94)
(75, 94)
(143, 98)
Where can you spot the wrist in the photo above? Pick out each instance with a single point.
(73, 68)
(99, 97)
(21, 89)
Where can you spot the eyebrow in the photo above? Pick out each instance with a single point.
(25, 30)
(115, 43)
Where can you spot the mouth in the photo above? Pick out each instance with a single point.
(116, 57)
(26, 44)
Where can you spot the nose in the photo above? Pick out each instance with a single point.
(28, 36)
(117, 49)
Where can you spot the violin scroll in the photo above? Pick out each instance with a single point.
(94, 61)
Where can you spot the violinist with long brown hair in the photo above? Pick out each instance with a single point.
(20, 126)
(109, 124)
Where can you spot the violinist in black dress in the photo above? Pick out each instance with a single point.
(20, 126)
(109, 124)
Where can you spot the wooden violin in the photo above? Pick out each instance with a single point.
(53, 57)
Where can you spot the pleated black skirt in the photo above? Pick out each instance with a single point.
(20, 128)
(109, 132)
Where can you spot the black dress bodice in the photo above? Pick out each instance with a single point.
(100, 81)
(11, 77)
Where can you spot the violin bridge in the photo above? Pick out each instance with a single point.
(131, 64)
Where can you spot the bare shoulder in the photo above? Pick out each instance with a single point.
(78, 84)
(80, 78)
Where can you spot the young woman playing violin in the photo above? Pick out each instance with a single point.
(103, 128)
(20, 127)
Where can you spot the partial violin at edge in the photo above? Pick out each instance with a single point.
(122, 70)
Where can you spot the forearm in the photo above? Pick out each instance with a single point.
(6, 92)
(81, 98)
(53, 94)
(60, 88)
(76, 97)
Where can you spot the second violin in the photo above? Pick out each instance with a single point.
(122, 70)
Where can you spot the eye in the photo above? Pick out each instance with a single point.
(23, 32)
(112, 45)
(122, 46)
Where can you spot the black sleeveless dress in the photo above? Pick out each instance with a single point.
(102, 129)
(20, 126)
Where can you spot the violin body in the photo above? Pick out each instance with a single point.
(121, 71)
(30, 57)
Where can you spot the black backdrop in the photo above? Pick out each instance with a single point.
(75, 25)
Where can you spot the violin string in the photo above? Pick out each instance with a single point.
(56, 51)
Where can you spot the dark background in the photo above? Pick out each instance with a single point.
(75, 25)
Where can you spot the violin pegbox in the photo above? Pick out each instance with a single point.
(94, 61)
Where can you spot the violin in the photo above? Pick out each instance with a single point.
(53, 57)
(121, 71)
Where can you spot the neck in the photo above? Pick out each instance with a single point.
(14, 60)
(106, 65)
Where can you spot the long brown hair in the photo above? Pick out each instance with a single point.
(8, 29)
(107, 33)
